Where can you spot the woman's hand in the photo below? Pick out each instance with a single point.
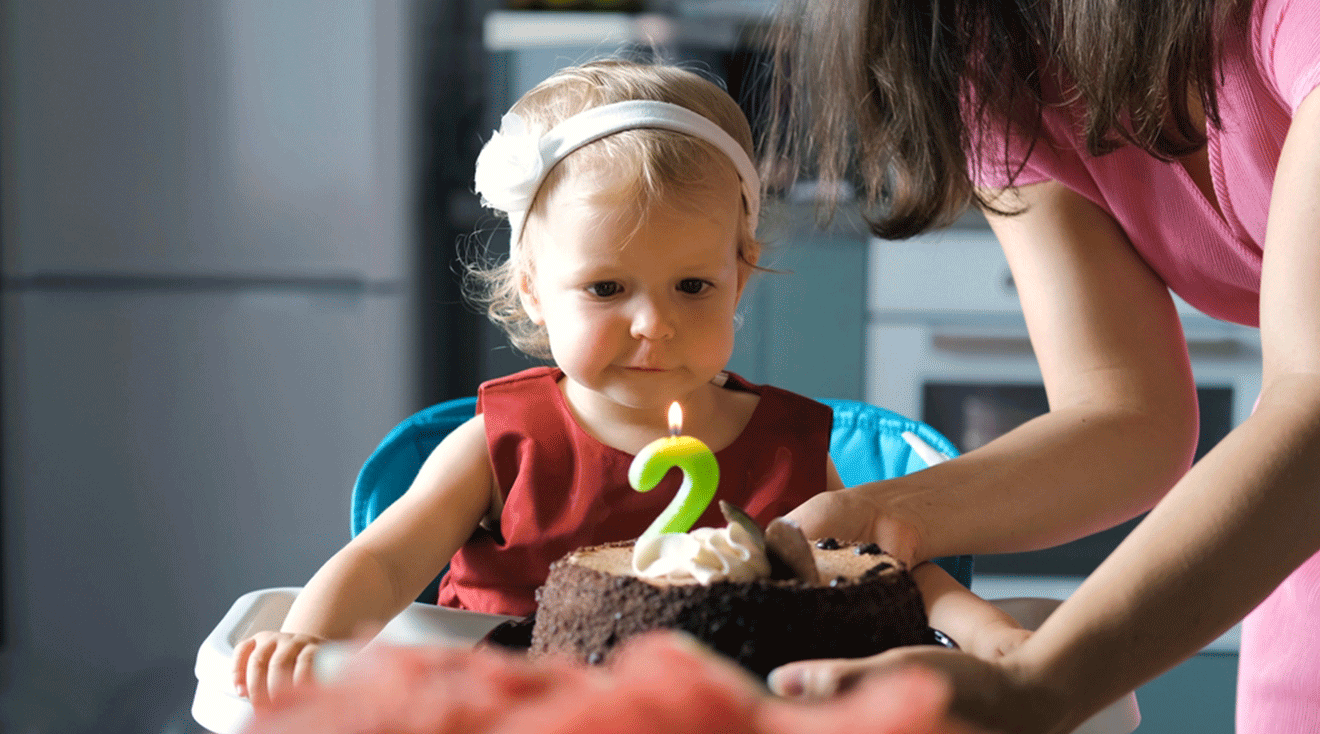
(269, 664)
(852, 514)
(986, 695)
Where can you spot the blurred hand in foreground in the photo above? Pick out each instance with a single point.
(664, 683)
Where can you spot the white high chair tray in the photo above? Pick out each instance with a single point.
(218, 708)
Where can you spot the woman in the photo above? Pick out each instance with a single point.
(1119, 150)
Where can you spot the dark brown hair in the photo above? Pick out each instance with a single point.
(896, 93)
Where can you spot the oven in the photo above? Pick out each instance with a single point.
(946, 342)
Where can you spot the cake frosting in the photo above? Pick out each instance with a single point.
(702, 556)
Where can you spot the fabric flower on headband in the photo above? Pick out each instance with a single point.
(510, 167)
(515, 160)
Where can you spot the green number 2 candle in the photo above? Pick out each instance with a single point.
(701, 475)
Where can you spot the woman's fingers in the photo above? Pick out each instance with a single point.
(854, 514)
(984, 694)
(906, 701)
(832, 515)
(822, 678)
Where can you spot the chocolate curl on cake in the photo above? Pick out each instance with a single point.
(787, 546)
(783, 542)
(734, 515)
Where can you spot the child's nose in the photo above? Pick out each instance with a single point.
(651, 320)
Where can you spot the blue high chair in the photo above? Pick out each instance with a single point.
(866, 443)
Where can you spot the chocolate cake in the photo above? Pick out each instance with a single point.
(856, 601)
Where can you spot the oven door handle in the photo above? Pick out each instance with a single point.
(1203, 347)
(982, 344)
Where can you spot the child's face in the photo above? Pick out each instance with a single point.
(642, 317)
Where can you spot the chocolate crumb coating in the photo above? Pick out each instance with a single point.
(590, 604)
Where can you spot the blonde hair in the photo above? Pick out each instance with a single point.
(664, 166)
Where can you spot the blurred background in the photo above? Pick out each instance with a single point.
(228, 241)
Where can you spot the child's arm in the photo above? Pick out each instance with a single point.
(380, 571)
(979, 627)
(832, 479)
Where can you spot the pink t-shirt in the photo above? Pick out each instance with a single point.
(1214, 263)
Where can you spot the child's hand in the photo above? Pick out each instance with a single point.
(269, 664)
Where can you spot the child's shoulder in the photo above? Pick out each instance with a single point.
(470, 431)
(785, 409)
(734, 381)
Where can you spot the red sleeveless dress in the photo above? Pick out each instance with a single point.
(564, 489)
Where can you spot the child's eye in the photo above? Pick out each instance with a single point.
(693, 286)
(604, 289)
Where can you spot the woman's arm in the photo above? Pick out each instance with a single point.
(1225, 536)
(1122, 422)
(1245, 516)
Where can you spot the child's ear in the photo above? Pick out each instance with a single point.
(527, 297)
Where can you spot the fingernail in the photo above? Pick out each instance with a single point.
(787, 683)
(687, 642)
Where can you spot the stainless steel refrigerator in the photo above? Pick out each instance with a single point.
(208, 307)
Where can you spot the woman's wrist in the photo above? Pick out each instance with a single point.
(1040, 704)
(865, 513)
(892, 525)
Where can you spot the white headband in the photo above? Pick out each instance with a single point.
(513, 163)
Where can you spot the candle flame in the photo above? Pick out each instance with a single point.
(675, 418)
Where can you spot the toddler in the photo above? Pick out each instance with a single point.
(633, 203)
